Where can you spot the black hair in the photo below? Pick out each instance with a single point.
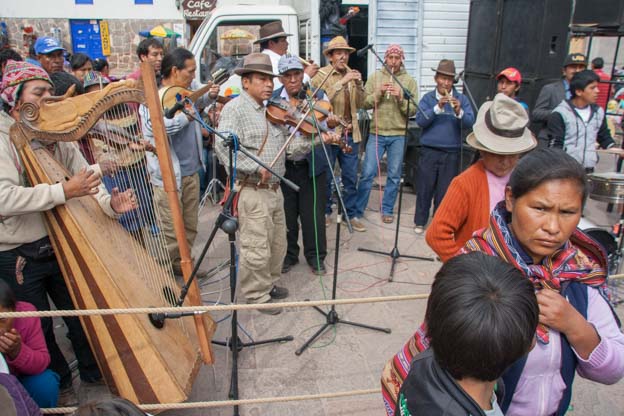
(598, 63)
(115, 406)
(175, 58)
(7, 296)
(99, 64)
(32, 53)
(78, 60)
(63, 80)
(582, 79)
(543, 165)
(481, 316)
(264, 45)
(143, 47)
(8, 53)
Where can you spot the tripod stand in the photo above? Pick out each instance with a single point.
(394, 253)
(229, 224)
(331, 317)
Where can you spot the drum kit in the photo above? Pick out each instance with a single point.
(609, 187)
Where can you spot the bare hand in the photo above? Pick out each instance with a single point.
(443, 101)
(330, 138)
(11, 343)
(456, 105)
(213, 92)
(615, 151)
(123, 201)
(311, 69)
(85, 182)
(108, 167)
(556, 312)
(352, 75)
(332, 120)
(265, 175)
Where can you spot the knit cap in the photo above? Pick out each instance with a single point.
(15, 74)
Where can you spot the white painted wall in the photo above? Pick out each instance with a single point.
(100, 9)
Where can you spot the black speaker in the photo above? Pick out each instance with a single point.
(603, 13)
(530, 35)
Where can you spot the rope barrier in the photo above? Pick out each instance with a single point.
(617, 276)
(211, 308)
(226, 403)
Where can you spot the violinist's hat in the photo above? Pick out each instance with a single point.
(338, 43)
(272, 30)
(256, 62)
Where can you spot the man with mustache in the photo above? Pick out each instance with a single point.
(262, 223)
(345, 90)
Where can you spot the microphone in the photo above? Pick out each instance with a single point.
(360, 53)
(158, 319)
(458, 77)
(171, 112)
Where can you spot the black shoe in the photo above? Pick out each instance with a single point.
(288, 264)
(278, 292)
(318, 269)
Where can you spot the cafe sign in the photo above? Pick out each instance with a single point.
(197, 9)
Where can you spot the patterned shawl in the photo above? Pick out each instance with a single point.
(580, 259)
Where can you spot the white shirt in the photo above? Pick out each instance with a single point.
(437, 110)
(584, 113)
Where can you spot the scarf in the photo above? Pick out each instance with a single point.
(580, 259)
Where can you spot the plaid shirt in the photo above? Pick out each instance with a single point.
(246, 118)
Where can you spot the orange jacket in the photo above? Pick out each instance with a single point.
(464, 209)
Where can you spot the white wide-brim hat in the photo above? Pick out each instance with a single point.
(502, 128)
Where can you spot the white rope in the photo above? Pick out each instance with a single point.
(225, 403)
(210, 308)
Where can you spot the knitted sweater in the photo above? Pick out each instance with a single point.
(464, 209)
(390, 113)
(33, 357)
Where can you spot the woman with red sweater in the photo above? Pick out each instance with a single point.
(501, 135)
(24, 348)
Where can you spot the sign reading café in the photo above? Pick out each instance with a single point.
(197, 9)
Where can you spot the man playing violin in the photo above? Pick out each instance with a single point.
(185, 136)
(309, 172)
(345, 89)
(262, 223)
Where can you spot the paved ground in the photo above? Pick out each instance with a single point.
(345, 358)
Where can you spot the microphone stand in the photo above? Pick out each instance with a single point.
(331, 317)
(228, 223)
(394, 253)
(461, 76)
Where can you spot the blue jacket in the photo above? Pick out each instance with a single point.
(443, 131)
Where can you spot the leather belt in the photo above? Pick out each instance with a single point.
(255, 185)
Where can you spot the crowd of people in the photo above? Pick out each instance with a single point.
(519, 281)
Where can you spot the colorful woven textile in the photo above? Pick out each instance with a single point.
(15, 75)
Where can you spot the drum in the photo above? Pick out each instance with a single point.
(607, 187)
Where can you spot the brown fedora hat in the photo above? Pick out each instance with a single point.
(446, 67)
(271, 31)
(338, 43)
(256, 62)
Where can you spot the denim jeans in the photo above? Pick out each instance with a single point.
(348, 168)
(375, 149)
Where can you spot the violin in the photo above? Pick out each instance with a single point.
(280, 111)
(172, 95)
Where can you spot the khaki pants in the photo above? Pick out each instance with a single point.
(262, 241)
(189, 201)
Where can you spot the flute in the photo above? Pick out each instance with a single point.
(391, 83)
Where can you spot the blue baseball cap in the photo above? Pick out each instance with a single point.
(46, 45)
(287, 63)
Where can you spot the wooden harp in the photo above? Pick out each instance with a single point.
(103, 264)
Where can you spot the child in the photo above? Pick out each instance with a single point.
(23, 346)
(481, 318)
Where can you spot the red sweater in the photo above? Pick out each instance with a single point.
(464, 209)
(33, 357)
(603, 88)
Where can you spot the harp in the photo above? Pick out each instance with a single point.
(106, 266)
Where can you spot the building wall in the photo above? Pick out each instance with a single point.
(100, 9)
(124, 37)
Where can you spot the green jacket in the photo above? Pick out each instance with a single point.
(391, 112)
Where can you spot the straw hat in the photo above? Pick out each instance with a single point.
(271, 31)
(256, 62)
(338, 43)
(501, 128)
(445, 67)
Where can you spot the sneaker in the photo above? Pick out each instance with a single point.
(419, 229)
(357, 225)
(278, 292)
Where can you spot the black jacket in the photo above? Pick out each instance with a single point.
(430, 390)
(549, 97)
